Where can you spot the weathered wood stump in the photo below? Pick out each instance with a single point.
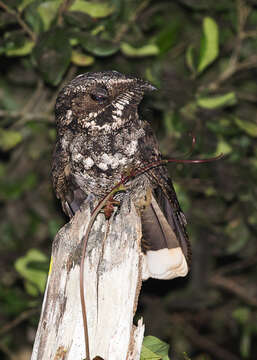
(113, 275)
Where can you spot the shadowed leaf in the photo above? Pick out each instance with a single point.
(52, 54)
(247, 126)
(48, 11)
(97, 46)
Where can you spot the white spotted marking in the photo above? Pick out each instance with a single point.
(115, 117)
(117, 124)
(112, 160)
(69, 115)
(125, 100)
(119, 106)
(131, 148)
(102, 166)
(122, 160)
(119, 112)
(88, 163)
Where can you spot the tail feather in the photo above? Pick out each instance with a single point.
(164, 256)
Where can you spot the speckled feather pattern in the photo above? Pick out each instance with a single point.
(100, 137)
(98, 143)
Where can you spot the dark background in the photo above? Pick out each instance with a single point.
(201, 55)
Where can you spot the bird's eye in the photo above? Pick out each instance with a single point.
(98, 98)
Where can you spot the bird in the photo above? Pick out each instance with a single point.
(100, 138)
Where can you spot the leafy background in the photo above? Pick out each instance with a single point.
(201, 54)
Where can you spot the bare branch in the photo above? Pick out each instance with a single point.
(125, 27)
(24, 26)
(203, 341)
(23, 316)
(233, 287)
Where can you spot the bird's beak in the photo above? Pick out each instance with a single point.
(146, 86)
(150, 87)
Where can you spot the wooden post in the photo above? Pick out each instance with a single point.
(113, 275)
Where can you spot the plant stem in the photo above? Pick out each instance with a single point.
(19, 20)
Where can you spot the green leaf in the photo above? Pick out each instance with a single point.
(153, 348)
(146, 50)
(94, 9)
(52, 54)
(9, 139)
(48, 11)
(210, 44)
(247, 126)
(23, 50)
(168, 36)
(223, 147)
(190, 61)
(242, 315)
(15, 43)
(97, 46)
(213, 102)
(80, 59)
(147, 354)
(33, 18)
(79, 19)
(35, 279)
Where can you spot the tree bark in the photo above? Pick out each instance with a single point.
(113, 276)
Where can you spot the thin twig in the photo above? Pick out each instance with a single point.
(19, 20)
(249, 34)
(247, 96)
(33, 99)
(204, 342)
(125, 27)
(239, 265)
(62, 8)
(30, 105)
(23, 316)
(232, 286)
(27, 117)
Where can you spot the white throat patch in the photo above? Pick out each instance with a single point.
(117, 112)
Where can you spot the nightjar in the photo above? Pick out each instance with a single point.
(100, 137)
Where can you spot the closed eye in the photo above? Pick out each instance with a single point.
(98, 98)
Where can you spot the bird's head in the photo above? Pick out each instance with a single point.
(101, 100)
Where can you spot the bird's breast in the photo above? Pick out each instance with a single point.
(99, 162)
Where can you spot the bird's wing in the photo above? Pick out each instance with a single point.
(66, 190)
(165, 239)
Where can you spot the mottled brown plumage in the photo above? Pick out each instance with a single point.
(99, 137)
